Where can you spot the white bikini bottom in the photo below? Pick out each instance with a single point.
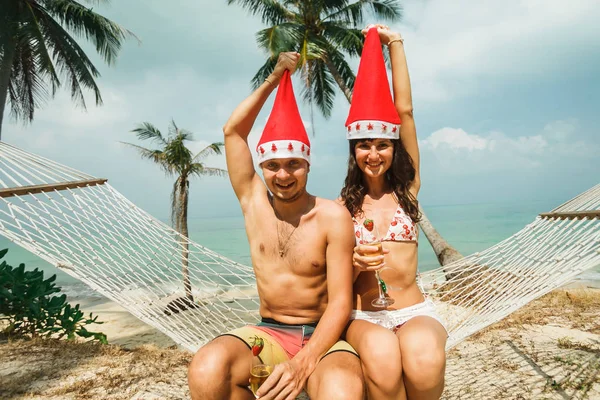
(393, 319)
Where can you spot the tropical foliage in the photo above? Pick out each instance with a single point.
(325, 33)
(38, 48)
(31, 307)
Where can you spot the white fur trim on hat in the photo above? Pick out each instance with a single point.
(369, 129)
(282, 149)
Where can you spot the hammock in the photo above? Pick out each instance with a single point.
(87, 229)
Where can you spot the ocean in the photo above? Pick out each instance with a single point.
(469, 228)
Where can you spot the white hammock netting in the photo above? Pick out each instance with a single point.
(86, 228)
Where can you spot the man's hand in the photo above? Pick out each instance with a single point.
(286, 381)
(367, 258)
(385, 34)
(289, 61)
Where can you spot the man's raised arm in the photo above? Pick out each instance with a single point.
(239, 158)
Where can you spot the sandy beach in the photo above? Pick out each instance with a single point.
(121, 327)
(547, 350)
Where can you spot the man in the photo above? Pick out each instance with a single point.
(296, 241)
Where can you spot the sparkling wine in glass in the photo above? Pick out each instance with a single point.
(258, 376)
(262, 363)
(370, 236)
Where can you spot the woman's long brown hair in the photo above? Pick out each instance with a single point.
(399, 176)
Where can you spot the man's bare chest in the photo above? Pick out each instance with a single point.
(300, 249)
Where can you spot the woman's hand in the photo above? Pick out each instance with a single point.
(368, 258)
(385, 34)
(288, 60)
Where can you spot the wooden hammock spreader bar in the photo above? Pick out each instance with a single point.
(591, 214)
(32, 189)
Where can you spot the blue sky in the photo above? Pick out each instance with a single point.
(506, 97)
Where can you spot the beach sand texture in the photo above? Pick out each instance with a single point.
(548, 350)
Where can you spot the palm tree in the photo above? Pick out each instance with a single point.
(37, 47)
(176, 159)
(323, 32)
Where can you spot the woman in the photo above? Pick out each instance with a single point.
(401, 346)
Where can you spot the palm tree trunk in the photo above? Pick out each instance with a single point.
(444, 252)
(5, 69)
(183, 191)
(338, 79)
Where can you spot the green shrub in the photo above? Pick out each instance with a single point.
(30, 306)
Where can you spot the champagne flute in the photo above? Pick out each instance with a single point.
(262, 364)
(370, 236)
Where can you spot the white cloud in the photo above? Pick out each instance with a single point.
(452, 45)
(560, 130)
(453, 151)
(455, 139)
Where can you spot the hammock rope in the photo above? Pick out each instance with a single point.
(86, 228)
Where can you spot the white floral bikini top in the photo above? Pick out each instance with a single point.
(402, 229)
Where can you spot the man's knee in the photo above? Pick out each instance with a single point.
(211, 367)
(209, 361)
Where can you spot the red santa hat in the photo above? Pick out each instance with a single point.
(284, 135)
(372, 112)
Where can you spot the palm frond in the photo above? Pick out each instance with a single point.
(315, 47)
(146, 130)
(213, 148)
(106, 35)
(177, 154)
(263, 72)
(30, 33)
(307, 95)
(342, 67)
(30, 64)
(348, 40)
(31, 88)
(388, 10)
(95, 2)
(178, 133)
(173, 129)
(270, 11)
(27, 88)
(320, 87)
(70, 59)
(278, 38)
(329, 5)
(41, 31)
(199, 169)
